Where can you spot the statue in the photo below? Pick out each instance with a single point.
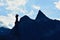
(15, 30)
(16, 18)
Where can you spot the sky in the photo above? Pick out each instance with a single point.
(9, 8)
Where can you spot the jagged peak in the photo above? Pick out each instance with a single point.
(41, 16)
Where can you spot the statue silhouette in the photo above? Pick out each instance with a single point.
(15, 29)
(16, 18)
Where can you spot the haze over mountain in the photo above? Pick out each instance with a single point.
(42, 28)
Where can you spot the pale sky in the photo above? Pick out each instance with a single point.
(9, 8)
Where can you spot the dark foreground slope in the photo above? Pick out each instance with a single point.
(42, 28)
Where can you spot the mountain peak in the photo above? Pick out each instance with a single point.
(41, 16)
(25, 18)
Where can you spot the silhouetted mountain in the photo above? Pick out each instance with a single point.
(4, 31)
(41, 17)
(42, 28)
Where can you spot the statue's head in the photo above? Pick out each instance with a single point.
(16, 15)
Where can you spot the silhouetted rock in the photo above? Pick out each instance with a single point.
(41, 17)
(15, 31)
(42, 28)
(4, 31)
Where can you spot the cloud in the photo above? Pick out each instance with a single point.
(57, 5)
(7, 21)
(30, 13)
(14, 4)
(36, 7)
(1, 24)
(1, 4)
(25, 12)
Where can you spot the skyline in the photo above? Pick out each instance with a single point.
(9, 8)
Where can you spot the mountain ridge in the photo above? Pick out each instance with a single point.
(42, 28)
